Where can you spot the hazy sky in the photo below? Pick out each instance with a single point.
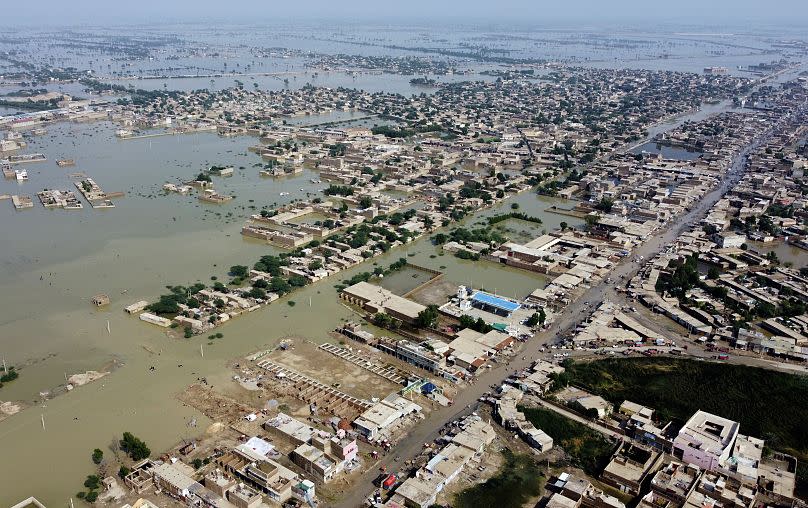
(717, 12)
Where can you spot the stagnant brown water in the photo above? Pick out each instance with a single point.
(53, 261)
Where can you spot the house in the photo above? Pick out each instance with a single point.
(706, 440)
(630, 465)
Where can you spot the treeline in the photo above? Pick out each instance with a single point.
(496, 219)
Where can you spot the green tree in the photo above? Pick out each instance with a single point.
(92, 482)
(134, 447)
(239, 271)
(98, 456)
(428, 317)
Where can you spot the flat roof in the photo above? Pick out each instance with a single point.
(495, 301)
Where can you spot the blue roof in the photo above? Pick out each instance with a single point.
(495, 301)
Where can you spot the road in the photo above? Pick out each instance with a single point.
(467, 399)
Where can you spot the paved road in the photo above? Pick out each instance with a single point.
(466, 400)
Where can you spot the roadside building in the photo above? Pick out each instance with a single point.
(383, 414)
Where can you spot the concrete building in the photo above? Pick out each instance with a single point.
(630, 466)
(706, 440)
(377, 299)
(383, 414)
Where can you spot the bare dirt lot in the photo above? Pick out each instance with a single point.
(435, 293)
(304, 357)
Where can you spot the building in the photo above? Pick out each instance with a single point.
(100, 300)
(706, 440)
(630, 465)
(243, 496)
(260, 472)
(375, 299)
(509, 416)
(671, 485)
(414, 354)
(383, 414)
(315, 462)
(421, 490)
(494, 304)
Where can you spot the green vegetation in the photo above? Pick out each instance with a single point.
(464, 254)
(587, 448)
(97, 456)
(338, 190)
(134, 447)
(92, 483)
(768, 404)
(536, 318)
(428, 317)
(477, 325)
(513, 215)
(513, 486)
(9, 376)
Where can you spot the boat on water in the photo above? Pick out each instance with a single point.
(284, 193)
(315, 180)
(22, 175)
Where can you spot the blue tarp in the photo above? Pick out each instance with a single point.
(428, 388)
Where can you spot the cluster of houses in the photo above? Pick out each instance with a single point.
(740, 276)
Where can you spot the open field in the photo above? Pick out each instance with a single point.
(517, 481)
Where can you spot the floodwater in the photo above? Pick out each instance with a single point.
(786, 253)
(53, 261)
(668, 152)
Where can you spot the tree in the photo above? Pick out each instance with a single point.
(92, 482)
(713, 273)
(279, 285)
(98, 456)
(134, 447)
(257, 293)
(563, 225)
(123, 471)
(239, 271)
(365, 202)
(605, 205)
(533, 320)
(592, 220)
(197, 463)
(428, 317)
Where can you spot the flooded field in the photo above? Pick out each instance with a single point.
(405, 280)
(668, 152)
